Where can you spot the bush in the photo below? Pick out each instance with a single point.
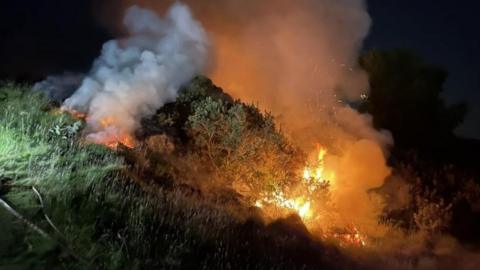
(231, 137)
(110, 215)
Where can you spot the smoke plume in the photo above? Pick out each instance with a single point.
(294, 58)
(136, 75)
(298, 59)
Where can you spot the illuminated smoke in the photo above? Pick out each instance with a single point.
(295, 58)
(135, 76)
(298, 59)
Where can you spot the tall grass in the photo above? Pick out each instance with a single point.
(105, 220)
(39, 149)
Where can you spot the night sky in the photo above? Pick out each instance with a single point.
(44, 37)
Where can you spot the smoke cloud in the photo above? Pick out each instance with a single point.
(294, 58)
(136, 75)
(60, 87)
(298, 59)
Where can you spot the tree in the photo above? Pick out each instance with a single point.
(405, 99)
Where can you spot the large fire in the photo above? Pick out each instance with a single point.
(315, 178)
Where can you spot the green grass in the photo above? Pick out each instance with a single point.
(107, 221)
(39, 148)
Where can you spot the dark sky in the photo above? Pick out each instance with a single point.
(444, 32)
(41, 37)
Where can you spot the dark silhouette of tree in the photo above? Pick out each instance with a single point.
(405, 99)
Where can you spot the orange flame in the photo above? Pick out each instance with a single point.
(314, 177)
(111, 141)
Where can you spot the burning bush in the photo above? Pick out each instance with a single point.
(102, 218)
(216, 142)
(228, 142)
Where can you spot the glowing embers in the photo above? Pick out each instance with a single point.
(348, 236)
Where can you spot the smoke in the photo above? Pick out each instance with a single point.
(59, 87)
(294, 58)
(298, 59)
(136, 75)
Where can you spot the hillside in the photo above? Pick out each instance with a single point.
(193, 193)
(159, 205)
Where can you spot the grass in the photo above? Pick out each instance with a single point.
(107, 221)
(38, 148)
(101, 209)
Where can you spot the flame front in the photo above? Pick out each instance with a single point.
(314, 178)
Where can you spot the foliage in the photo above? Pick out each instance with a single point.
(38, 149)
(109, 216)
(439, 199)
(231, 136)
(405, 98)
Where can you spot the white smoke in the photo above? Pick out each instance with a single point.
(293, 58)
(59, 87)
(135, 76)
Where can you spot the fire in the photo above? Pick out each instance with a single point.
(76, 114)
(349, 236)
(315, 174)
(314, 178)
(300, 205)
(112, 139)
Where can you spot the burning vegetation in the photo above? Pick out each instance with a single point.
(165, 166)
(112, 139)
(189, 184)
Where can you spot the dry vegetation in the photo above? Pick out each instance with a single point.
(182, 198)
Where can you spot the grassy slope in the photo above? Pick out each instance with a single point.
(106, 221)
(38, 149)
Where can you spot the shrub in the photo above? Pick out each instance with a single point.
(231, 137)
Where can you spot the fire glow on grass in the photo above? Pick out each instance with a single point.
(315, 178)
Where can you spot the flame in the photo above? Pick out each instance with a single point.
(313, 179)
(314, 176)
(111, 140)
(300, 205)
(114, 141)
(75, 114)
(316, 173)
